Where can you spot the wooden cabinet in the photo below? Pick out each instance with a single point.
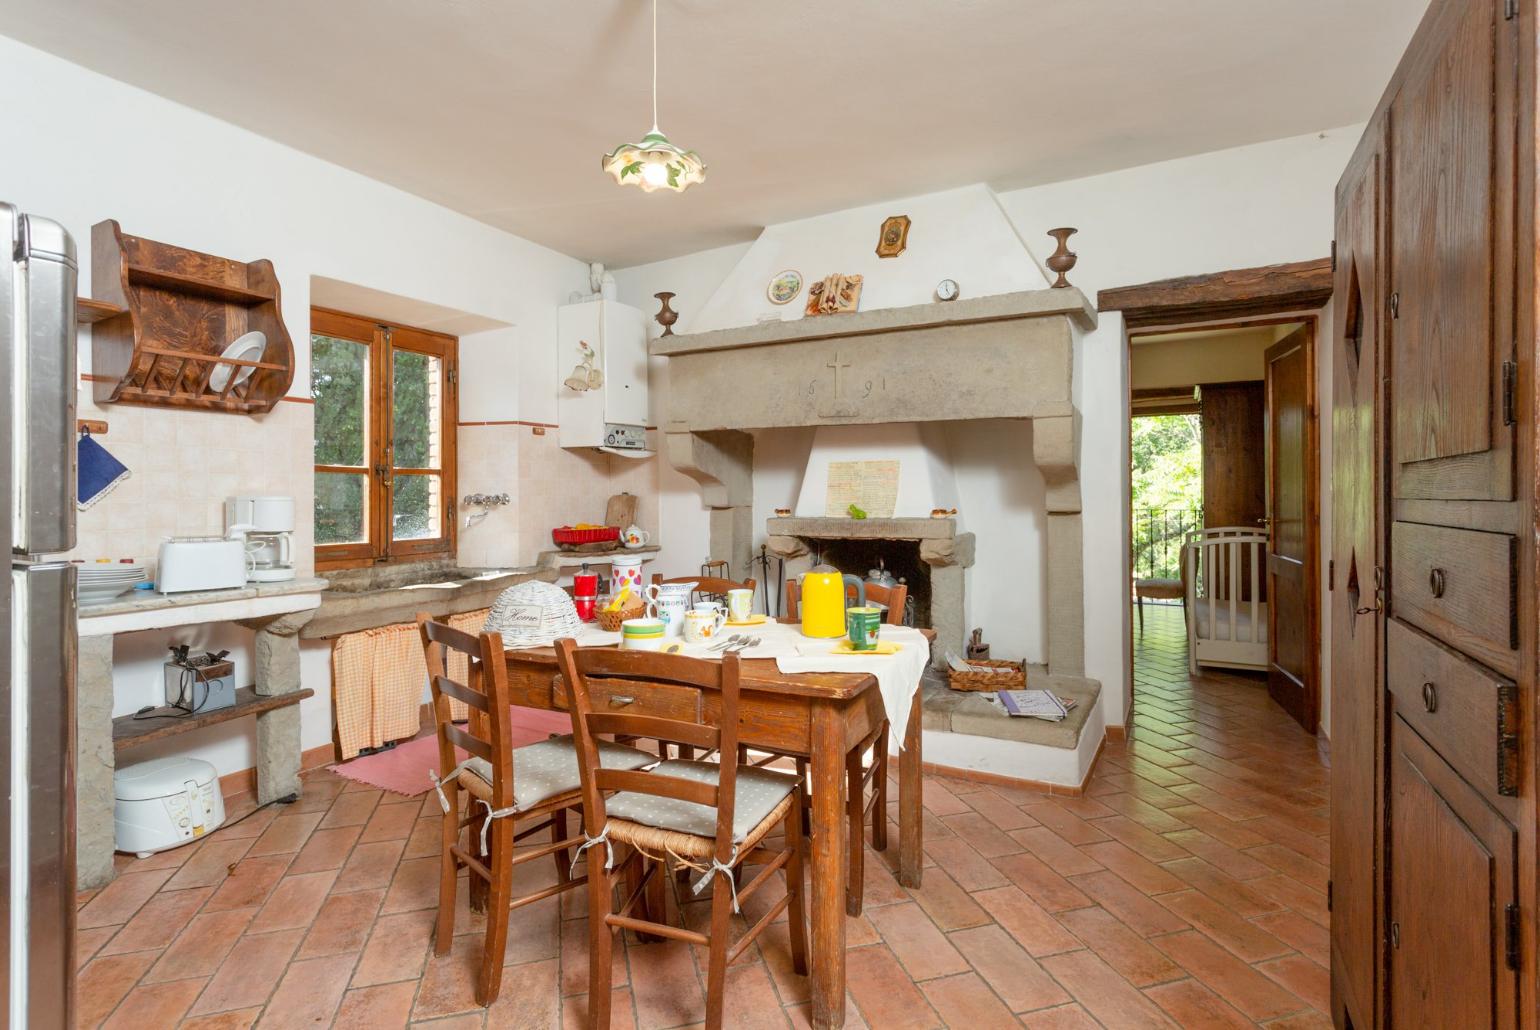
(1453, 891)
(1433, 608)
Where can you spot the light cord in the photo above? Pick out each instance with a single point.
(654, 64)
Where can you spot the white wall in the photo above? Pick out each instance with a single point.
(80, 147)
(1256, 205)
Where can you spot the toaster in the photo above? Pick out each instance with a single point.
(200, 563)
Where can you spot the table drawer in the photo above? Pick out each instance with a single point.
(1469, 715)
(1460, 585)
(634, 697)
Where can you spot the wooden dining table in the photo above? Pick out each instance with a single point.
(820, 716)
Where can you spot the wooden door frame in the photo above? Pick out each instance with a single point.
(1267, 295)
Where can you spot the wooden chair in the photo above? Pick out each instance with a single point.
(859, 774)
(536, 781)
(712, 586)
(657, 815)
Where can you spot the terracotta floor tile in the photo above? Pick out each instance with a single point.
(530, 997)
(574, 959)
(397, 949)
(465, 1021)
(946, 903)
(885, 995)
(1009, 970)
(1065, 823)
(342, 926)
(154, 1005)
(1235, 834)
(384, 1007)
(223, 1021)
(1227, 976)
(1291, 863)
(919, 946)
(1303, 978)
(1112, 1000)
(665, 985)
(1290, 892)
(89, 942)
(159, 921)
(1122, 949)
(1247, 940)
(326, 849)
(966, 1001)
(941, 802)
(1024, 919)
(1233, 894)
(1041, 882)
(121, 899)
(294, 903)
(984, 837)
(574, 1011)
(749, 1001)
(1061, 1017)
(352, 808)
(534, 933)
(249, 974)
(415, 885)
(1309, 1019)
(970, 869)
(1196, 1007)
(1220, 854)
(250, 882)
(239, 825)
(1134, 867)
(1004, 814)
(105, 982)
(390, 822)
(370, 865)
(285, 834)
(308, 994)
(200, 948)
(1141, 841)
(1310, 939)
(209, 865)
(424, 839)
(1062, 856)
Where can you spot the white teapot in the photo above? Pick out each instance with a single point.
(634, 536)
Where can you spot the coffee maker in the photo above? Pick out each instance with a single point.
(268, 525)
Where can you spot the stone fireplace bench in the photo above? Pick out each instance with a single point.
(963, 731)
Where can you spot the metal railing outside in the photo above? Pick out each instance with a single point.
(1158, 534)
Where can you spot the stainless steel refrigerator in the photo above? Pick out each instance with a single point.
(38, 644)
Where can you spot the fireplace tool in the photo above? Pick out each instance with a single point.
(762, 562)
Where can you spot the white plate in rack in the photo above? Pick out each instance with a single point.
(245, 348)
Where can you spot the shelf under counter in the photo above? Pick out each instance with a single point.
(149, 609)
(166, 721)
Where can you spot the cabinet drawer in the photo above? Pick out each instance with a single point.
(1460, 585)
(1466, 713)
(634, 697)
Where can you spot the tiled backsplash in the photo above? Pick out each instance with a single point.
(184, 464)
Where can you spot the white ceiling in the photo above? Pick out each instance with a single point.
(501, 108)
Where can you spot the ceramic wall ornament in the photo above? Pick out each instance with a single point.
(1062, 259)
(836, 294)
(894, 237)
(784, 286)
(666, 316)
(585, 376)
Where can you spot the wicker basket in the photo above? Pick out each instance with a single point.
(1000, 676)
(610, 621)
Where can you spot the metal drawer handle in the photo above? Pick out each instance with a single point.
(1436, 582)
(621, 700)
(1430, 697)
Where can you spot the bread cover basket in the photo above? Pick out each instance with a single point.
(532, 614)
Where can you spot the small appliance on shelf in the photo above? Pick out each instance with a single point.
(268, 524)
(189, 563)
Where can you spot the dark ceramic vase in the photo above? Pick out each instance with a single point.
(666, 315)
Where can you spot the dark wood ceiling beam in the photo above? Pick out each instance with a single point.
(1238, 293)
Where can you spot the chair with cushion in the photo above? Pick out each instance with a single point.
(859, 774)
(707, 816)
(538, 781)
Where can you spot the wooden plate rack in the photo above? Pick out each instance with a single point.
(180, 309)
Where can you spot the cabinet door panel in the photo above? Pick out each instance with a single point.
(1355, 551)
(1451, 204)
(1452, 876)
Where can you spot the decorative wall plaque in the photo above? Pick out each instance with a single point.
(835, 294)
(894, 236)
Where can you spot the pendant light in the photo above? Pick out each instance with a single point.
(655, 163)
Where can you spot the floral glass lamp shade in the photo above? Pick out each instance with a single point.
(655, 164)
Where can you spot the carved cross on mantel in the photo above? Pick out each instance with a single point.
(839, 380)
(834, 404)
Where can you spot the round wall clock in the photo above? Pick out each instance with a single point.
(947, 289)
(784, 286)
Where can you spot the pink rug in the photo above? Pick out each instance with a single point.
(404, 768)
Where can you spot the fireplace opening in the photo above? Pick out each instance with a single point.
(900, 557)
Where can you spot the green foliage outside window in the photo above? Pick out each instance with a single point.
(1166, 458)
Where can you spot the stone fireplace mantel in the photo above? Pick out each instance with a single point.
(1008, 356)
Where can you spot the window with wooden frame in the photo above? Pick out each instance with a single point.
(385, 410)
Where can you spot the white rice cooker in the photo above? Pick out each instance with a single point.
(165, 803)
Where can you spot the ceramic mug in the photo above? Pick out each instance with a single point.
(645, 634)
(740, 604)
(669, 601)
(706, 606)
(863, 626)
(701, 626)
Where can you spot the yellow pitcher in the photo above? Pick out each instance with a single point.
(823, 601)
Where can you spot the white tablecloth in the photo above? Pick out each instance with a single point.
(898, 675)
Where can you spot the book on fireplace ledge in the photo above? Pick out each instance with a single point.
(1035, 704)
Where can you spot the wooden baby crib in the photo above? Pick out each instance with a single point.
(1223, 576)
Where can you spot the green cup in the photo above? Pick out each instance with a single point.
(863, 624)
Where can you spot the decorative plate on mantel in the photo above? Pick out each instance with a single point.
(784, 286)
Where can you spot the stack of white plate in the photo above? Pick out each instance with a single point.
(100, 582)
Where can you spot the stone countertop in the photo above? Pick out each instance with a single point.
(149, 609)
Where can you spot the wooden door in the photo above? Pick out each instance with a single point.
(1453, 877)
(1292, 636)
(1356, 605)
(1234, 473)
(1454, 129)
